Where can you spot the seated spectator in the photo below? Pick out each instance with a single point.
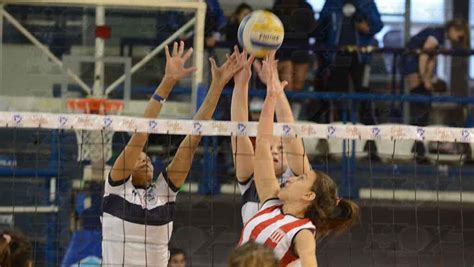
(298, 19)
(419, 69)
(15, 250)
(232, 27)
(252, 254)
(214, 23)
(177, 258)
(348, 23)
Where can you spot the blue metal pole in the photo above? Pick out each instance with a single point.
(51, 230)
(345, 178)
(215, 185)
(63, 201)
(352, 190)
(205, 179)
(208, 182)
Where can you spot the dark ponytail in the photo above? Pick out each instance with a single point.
(15, 250)
(329, 214)
(4, 252)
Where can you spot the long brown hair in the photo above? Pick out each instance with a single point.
(15, 250)
(461, 24)
(329, 214)
(252, 254)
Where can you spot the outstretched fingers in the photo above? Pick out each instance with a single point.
(167, 52)
(213, 63)
(175, 49)
(188, 54)
(250, 60)
(236, 51)
(181, 49)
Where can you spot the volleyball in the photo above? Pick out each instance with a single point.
(260, 32)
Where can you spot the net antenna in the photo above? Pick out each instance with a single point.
(98, 90)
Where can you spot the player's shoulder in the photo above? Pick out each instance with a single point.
(164, 177)
(271, 204)
(109, 182)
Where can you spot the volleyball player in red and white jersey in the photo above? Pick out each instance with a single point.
(306, 207)
(289, 158)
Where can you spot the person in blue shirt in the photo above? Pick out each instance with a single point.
(419, 69)
(347, 23)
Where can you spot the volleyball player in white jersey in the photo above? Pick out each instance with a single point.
(306, 206)
(288, 154)
(138, 212)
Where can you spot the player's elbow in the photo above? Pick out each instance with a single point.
(308, 259)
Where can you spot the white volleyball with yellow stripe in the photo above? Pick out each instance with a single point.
(260, 32)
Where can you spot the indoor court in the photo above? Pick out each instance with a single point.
(77, 77)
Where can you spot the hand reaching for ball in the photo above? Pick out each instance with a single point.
(226, 71)
(263, 73)
(176, 60)
(243, 76)
(269, 68)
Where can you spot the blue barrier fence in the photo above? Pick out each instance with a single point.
(336, 96)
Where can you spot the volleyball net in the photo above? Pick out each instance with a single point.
(413, 184)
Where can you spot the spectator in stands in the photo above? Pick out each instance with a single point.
(232, 27)
(252, 254)
(215, 22)
(15, 250)
(419, 69)
(177, 258)
(348, 23)
(298, 19)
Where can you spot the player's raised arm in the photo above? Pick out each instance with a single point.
(305, 247)
(179, 168)
(265, 179)
(242, 148)
(174, 72)
(293, 147)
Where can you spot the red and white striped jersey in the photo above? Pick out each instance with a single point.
(270, 226)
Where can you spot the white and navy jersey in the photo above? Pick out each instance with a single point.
(250, 201)
(276, 230)
(137, 223)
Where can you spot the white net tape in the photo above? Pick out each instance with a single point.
(226, 128)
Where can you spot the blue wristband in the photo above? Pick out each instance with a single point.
(159, 98)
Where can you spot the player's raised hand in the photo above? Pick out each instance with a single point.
(274, 86)
(231, 66)
(258, 66)
(243, 76)
(176, 60)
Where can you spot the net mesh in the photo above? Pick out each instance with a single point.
(88, 141)
(412, 183)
